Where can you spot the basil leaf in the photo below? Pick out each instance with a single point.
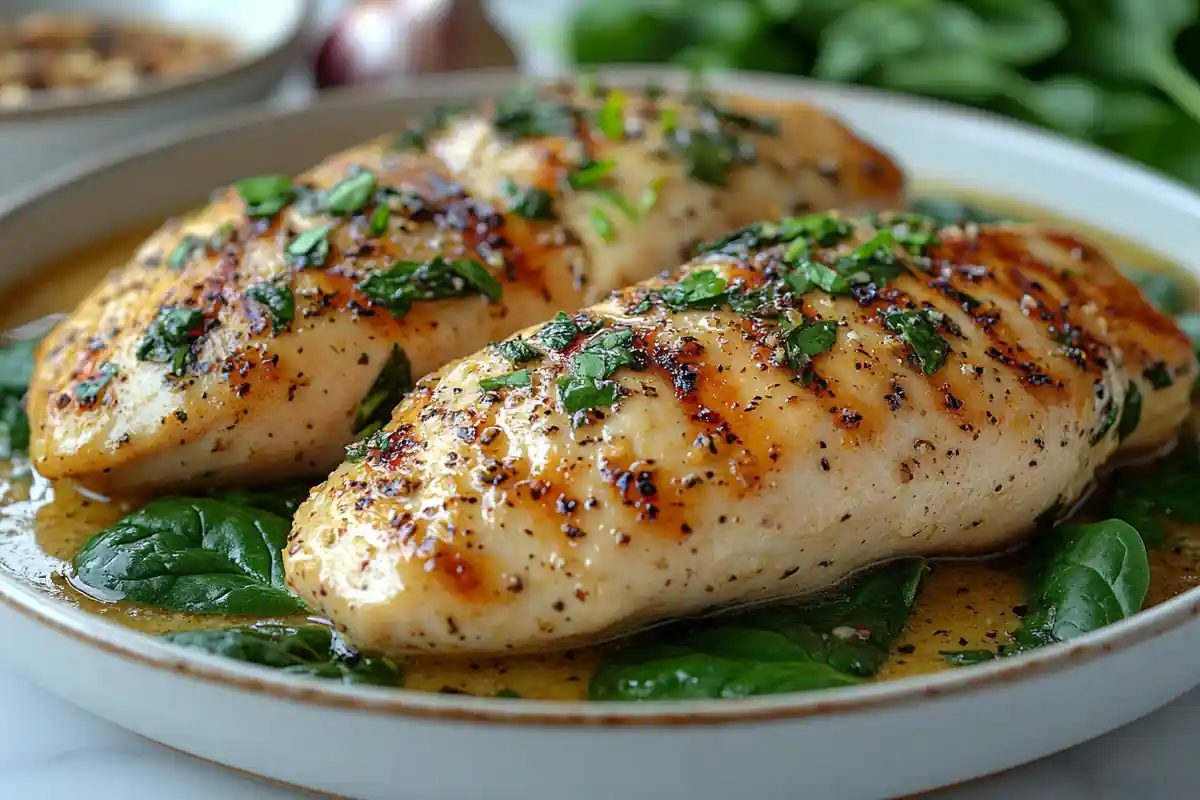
(311, 248)
(350, 194)
(518, 351)
(807, 340)
(837, 640)
(313, 650)
(529, 203)
(379, 219)
(394, 381)
(512, 380)
(409, 282)
(195, 555)
(278, 300)
(87, 390)
(171, 336)
(265, 195)
(919, 328)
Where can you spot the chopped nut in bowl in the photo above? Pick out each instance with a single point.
(80, 74)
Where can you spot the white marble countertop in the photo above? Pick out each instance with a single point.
(50, 750)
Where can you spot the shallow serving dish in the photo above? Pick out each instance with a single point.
(882, 739)
(51, 129)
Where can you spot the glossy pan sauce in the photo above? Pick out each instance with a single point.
(963, 604)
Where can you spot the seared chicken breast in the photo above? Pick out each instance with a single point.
(253, 339)
(805, 399)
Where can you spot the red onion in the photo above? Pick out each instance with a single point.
(379, 39)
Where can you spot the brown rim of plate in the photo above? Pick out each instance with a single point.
(123, 642)
(166, 89)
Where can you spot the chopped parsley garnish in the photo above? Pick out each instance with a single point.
(586, 383)
(393, 382)
(265, 195)
(517, 351)
(511, 380)
(806, 341)
(1159, 376)
(379, 219)
(416, 138)
(590, 174)
(311, 248)
(528, 202)
(184, 251)
(375, 439)
(1131, 413)
(821, 229)
(919, 328)
(170, 337)
(560, 332)
(278, 300)
(88, 390)
(601, 223)
(611, 118)
(523, 114)
(703, 289)
(350, 194)
(409, 282)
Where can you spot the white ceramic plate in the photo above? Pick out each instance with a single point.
(870, 741)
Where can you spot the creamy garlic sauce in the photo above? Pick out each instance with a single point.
(963, 603)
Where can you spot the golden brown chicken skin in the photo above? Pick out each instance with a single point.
(807, 398)
(253, 339)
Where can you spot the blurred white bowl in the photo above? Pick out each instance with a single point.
(52, 130)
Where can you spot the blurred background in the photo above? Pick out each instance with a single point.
(1122, 74)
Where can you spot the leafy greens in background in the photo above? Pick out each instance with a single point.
(16, 370)
(1119, 73)
(837, 640)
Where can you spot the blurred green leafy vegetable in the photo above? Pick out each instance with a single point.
(1118, 73)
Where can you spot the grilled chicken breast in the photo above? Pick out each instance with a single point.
(255, 338)
(805, 399)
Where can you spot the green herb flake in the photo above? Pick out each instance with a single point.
(379, 219)
(560, 332)
(529, 203)
(394, 381)
(577, 393)
(590, 174)
(311, 248)
(183, 251)
(511, 380)
(808, 340)
(611, 119)
(702, 289)
(522, 114)
(1131, 412)
(601, 223)
(919, 328)
(278, 300)
(517, 351)
(265, 195)
(350, 195)
(88, 390)
(1159, 376)
(409, 282)
(170, 338)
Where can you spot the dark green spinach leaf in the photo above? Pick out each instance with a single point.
(192, 554)
(16, 370)
(282, 500)
(313, 650)
(837, 640)
(394, 381)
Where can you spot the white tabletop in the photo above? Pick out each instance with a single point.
(51, 750)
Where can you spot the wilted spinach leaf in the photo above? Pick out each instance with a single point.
(192, 554)
(836, 640)
(313, 650)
